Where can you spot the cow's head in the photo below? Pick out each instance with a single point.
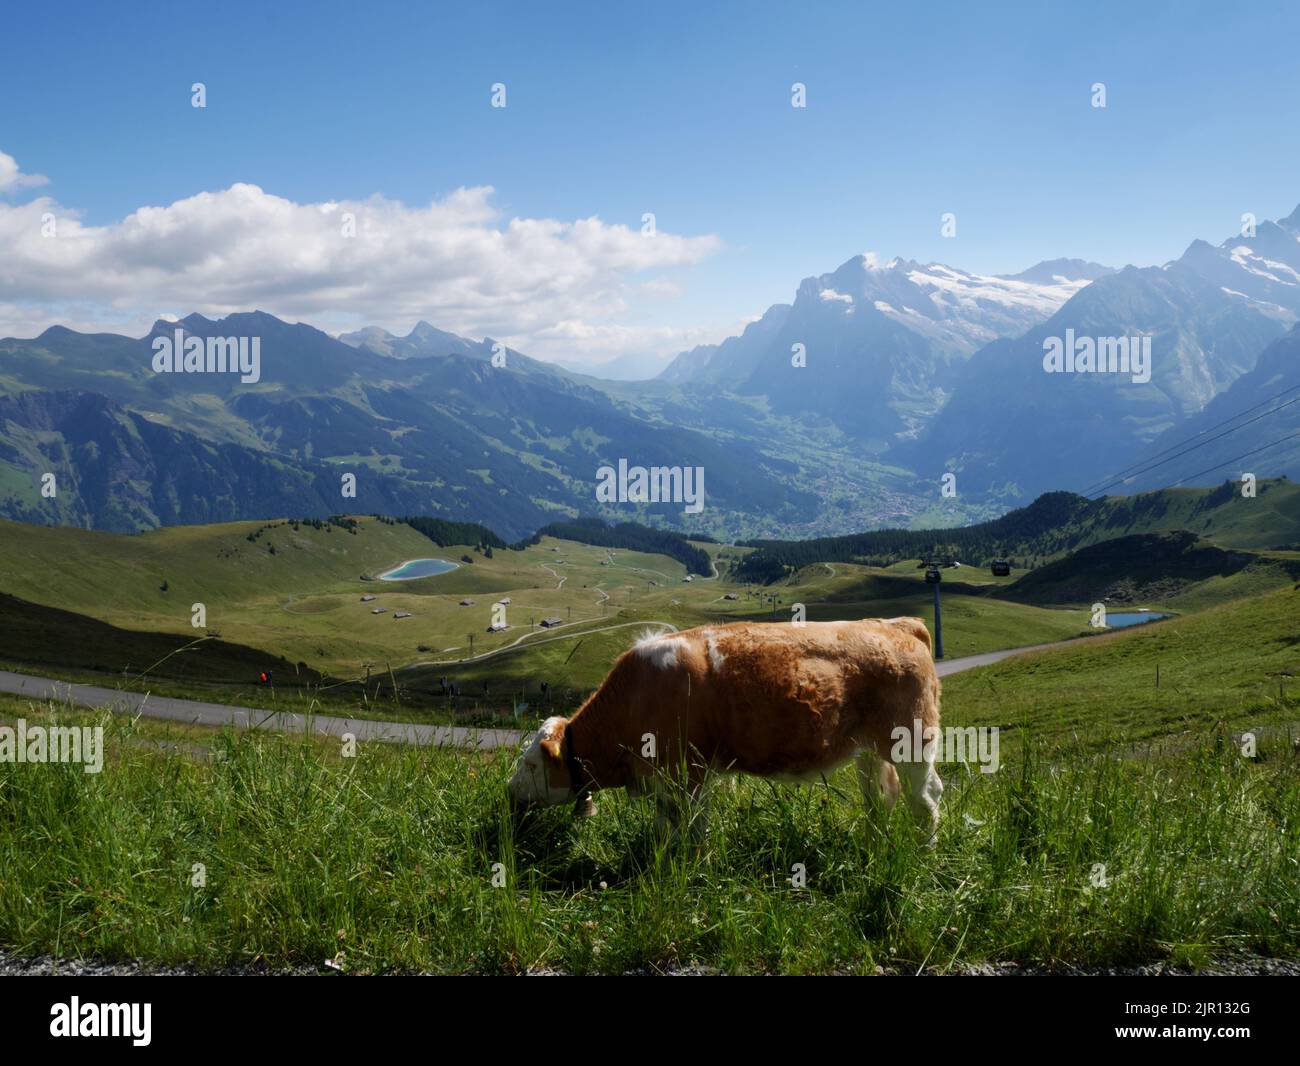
(541, 776)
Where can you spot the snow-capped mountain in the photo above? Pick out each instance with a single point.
(1262, 269)
(879, 340)
(955, 310)
(1009, 426)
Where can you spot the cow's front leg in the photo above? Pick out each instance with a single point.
(699, 804)
(678, 805)
(667, 806)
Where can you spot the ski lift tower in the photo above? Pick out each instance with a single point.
(934, 576)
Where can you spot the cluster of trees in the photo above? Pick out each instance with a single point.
(443, 533)
(631, 536)
(318, 524)
(256, 535)
(1050, 524)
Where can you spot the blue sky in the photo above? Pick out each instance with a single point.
(684, 111)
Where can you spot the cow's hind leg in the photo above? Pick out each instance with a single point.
(924, 791)
(879, 783)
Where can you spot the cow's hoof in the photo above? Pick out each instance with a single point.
(585, 807)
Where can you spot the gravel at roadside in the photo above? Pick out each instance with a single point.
(45, 965)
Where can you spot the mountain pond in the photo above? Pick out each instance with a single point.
(413, 568)
(1124, 619)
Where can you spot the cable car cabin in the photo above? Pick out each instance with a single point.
(1001, 568)
(932, 576)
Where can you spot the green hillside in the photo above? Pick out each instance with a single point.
(1146, 568)
(1057, 523)
(37, 638)
(217, 565)
(632, 536)
(1222, 515)
(295, 590)
(1237, 664)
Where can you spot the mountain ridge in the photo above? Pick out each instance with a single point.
(839, 410)
(451, 435)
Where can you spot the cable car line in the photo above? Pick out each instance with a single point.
(1273, 444)
(1209, 429)
(1120, 478)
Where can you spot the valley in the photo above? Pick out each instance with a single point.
(304, 604)
(508, 631)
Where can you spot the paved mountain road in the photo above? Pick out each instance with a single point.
(956, 666)
(216, 714)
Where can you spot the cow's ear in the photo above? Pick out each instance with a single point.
(551, 748)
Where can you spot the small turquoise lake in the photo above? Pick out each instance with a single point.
(413, 568)
(1124, 619)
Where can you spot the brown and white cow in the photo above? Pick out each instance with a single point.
(789, 702)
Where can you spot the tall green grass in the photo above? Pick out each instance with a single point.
(386, 861)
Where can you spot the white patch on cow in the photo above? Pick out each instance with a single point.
(531, 782)
(716, 658)
(660, 650)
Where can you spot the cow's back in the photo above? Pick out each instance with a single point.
(779, 698)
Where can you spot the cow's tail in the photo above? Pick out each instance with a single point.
(931, 688)
(925, 786)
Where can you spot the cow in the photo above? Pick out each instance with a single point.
(779, 700)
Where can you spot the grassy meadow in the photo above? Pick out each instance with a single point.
(1126, 823)
(388, 861)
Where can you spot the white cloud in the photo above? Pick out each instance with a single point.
(662, 288)
(455, 262)
(11, 178)
(579, 341)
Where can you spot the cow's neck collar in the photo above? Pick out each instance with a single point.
(574, 765)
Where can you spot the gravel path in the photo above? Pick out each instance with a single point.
(46, 966)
